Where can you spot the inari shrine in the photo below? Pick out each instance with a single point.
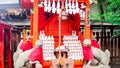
(57, 23)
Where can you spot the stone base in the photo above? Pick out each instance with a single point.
(100, 66)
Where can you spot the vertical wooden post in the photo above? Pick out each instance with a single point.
(87, 21)
(35, 21)
(91, 33)
(1, 46)
(87, 26)
(24, 34)
(31, 24)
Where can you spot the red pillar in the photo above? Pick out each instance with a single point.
(1, 47)
(24, 34)
(35, 21)
(87, 21)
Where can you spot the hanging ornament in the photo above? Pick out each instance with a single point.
(66, 6)
(49, 6)
(76, 7)
(64, 15)
(73, 7)
(45, 5)
(40, 4)
(53, 7)
(83, 6)
(70, 8)
(58, 7)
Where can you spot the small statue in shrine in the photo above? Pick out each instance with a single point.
(27, 58)
(61, 60)
(25, 45)
(94, 55)
(18, 51)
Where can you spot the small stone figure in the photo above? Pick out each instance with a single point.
(101, 58)
(29, 57)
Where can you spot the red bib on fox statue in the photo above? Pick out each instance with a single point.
(87, 50)
(37, 53)
(27, 44)
(94, 43)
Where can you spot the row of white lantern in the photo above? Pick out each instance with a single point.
(48, 46)
(72, 43)
(48, 52)
(49, 39)
(75, 56)
(74, 47)
(48, 56)
(70, 38)
(73, 52)
(70, 7)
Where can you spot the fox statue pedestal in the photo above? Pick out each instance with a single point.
(99, 66)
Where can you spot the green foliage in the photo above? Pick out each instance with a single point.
(111, 14)
(95, 17)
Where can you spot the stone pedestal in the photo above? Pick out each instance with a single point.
(100, 66)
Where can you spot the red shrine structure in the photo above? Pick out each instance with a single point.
(49, 24)
(5, 47)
